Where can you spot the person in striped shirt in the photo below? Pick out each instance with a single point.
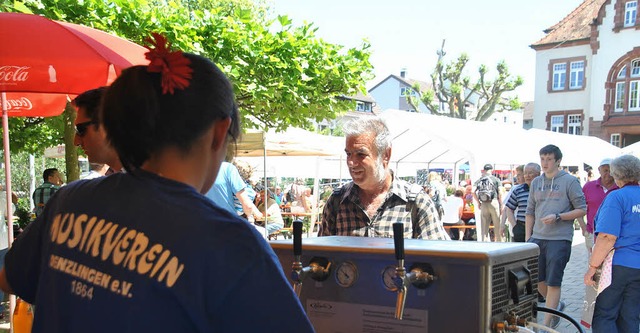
(516, 206)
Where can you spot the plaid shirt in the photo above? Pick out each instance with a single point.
(344, 215)
(42, 194)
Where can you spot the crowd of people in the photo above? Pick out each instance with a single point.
(166, 185)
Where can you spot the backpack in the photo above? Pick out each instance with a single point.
(486, 189)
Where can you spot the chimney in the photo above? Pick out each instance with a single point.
(403, 73)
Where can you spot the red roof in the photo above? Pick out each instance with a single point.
(574, 27)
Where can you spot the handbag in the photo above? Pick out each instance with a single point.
(604, 272)
(602, 277)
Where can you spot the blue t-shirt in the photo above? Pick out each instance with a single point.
(227, 184)
(143, 253)
(619, 215)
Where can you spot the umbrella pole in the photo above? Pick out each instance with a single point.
(7, 173)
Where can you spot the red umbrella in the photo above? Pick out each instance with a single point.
(41, 55)
(43, 62)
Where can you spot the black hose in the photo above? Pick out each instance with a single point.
(560, 314)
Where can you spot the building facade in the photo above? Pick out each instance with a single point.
(588, 73)
(392, 92)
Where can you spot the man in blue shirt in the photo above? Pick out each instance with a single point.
(229, 184)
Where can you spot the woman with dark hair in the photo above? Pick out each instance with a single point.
(617, 252)
(145, 251)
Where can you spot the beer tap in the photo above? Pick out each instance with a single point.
(298, 272)
(400, 279)
(318, 269)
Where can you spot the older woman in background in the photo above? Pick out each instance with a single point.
(271, 211)
(617, 307)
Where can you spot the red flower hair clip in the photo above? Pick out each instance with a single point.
(173, 65)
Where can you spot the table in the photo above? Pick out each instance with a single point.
(302, 216)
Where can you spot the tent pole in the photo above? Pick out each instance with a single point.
(7, 174)
(266, 189)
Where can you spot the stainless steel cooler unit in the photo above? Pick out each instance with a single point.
(353, 284)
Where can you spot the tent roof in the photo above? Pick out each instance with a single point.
(431, 140)
(292, 142)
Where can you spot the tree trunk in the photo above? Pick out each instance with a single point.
(70, 151)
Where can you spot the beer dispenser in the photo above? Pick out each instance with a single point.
(360, 284)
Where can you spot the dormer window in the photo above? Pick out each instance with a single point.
(363, 106)
(407, 91)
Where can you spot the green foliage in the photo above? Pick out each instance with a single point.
(33, 135)
(283, 75)
(23, 212)
(457, 91)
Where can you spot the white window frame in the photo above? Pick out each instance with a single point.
(403, 91)
(557, 124)
(630, 13)
(615, 139)
(634, 95)
(559, 76)
(576, 75)
(635, 68)
(574, 124)
(618, 106)
(623, 72)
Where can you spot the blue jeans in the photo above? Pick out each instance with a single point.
(553, 259)
(273, 227)
(618, 306)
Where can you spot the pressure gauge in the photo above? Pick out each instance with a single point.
(388, 278)
(346, 274)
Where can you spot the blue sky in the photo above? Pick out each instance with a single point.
(407, 34)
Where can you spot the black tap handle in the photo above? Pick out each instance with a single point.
(297, 237)
(398, 239)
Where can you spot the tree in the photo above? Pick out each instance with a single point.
(282, 75)
(456, 91)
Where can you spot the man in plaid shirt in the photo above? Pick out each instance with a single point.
(42, 194)
(375, 199)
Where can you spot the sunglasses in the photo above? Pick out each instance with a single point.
(81, 128)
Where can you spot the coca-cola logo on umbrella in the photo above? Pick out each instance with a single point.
(11, 75)
(16, 104)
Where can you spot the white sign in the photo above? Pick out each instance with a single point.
(338, 317)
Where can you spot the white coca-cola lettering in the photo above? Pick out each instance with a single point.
(21, 103)
(14, 73)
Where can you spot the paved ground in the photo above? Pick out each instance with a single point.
(573, 288)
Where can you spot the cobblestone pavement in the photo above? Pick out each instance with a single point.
(573, 288)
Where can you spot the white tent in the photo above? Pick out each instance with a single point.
(292, 142)
(420, 141)
(271, 154)
(633, 149)
(426, 141)
(293, 153)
